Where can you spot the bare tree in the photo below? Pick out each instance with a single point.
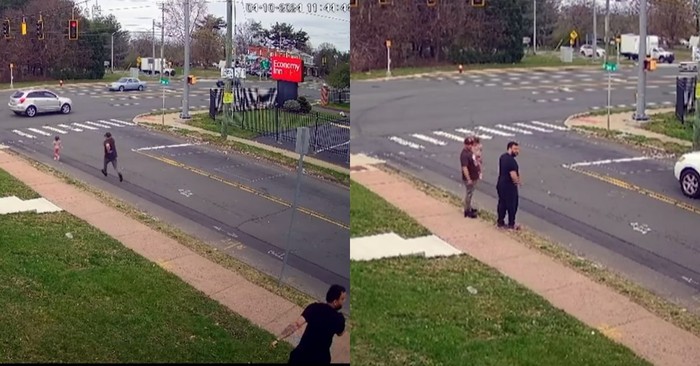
(175, 13)
(248, 34)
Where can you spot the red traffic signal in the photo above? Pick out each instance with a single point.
(72, 30)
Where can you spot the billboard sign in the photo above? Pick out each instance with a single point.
(287, 69)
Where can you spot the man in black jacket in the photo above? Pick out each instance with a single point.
(507, 186)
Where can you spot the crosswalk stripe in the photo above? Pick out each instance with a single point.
(429, 139)
(96, 124)
(403, 142)
(495, 132)
(23, 134)
(84, 126)
(448, 135)
(54, 129)
(548, 125)
(470, 132)
(70, 128)
(123, 122)
(110, 123)
(540, 129)
(39, 131)
(508, 128)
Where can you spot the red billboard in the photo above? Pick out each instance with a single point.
(287, 69)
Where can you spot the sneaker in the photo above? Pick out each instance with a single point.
(515, 227)
(104, 172)
(121, 178)
(470, 214)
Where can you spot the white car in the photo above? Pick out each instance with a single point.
(687, 171)
(34, 101)
(587, 51)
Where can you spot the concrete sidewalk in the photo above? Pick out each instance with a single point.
(174, 120)
(263, 308)
(596, 305)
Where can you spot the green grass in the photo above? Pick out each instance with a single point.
(667, 124)
(417, 311)
(205, 122)
(251, 124)
(635, 140)
(529, 61)
(90, 299)
(342, 106)
(371, 215)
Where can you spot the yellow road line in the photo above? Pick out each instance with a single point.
(245, 189)
(629, 186)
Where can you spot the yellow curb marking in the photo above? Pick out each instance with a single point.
(245, 189)
(629, 186)
(610, 332)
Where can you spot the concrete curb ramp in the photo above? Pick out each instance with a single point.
(12, 204)
(392, 245)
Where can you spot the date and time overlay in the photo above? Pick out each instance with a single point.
(319, 8)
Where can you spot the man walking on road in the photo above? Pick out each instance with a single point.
(110, 155)
(507, 186)
(470, 174)
(322, 320)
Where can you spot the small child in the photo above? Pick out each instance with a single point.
(57, 148)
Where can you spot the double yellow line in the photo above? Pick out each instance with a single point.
(631, 187)
(245, 188)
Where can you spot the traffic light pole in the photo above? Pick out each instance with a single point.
(229, 45)
(640, 113)
(186, 90)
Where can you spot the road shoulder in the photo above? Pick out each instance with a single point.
(263, 308)
(598, 306)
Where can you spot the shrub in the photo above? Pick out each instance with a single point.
(305, 106)
(292, 106)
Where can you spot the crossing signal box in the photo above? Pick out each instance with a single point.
(40, 29)
(6, 29)
(191, 79)
(649, 64)
(478, 3)
(73, 30)
(431, 2)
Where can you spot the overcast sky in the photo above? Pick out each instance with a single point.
(322, 26)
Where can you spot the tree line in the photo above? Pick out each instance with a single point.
(455, 31)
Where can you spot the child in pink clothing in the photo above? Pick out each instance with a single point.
(477, 156)
(57, 148)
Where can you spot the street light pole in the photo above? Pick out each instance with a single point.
(111, 62)
(186, 90)
(534, 27)
(595, 30)
(640, 113)
(162, 36)
(153, 41)
(229, 44)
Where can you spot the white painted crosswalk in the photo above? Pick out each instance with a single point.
(440, 138)
(66, 128)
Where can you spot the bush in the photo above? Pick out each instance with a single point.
(304, 105)
(292, 106)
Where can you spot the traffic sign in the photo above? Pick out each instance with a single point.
(265, 64)
(227, 73)
(573, 34)
(228, 97)
(610, 66)
(164, 81)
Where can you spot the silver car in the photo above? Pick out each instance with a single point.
(33, 101)
(127, 84)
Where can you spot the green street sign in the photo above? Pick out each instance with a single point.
(265, 64)
(610, 66)
(164, 81)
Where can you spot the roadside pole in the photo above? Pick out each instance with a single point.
(186, 91)
(388, 58)
(301, 148)
(607, 57)
(609, 94)
(640, 113)
(12, 76)
(228, 87)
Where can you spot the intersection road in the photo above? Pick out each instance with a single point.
(627, 214)
(218, 196)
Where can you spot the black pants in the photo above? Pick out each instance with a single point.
(507, 203)
(309, 357)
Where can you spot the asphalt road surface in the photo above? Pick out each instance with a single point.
(221, 197)
(608, 202)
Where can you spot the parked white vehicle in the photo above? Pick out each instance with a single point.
(629, 48)
(687, 172)
(587, 51)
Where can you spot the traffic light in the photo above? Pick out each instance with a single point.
(6, 29)
(478, 3)
(431, 2)
(353, 3)
(191, 79)
(649, 64)
(24, 26)
(73, 30)
(40, 29)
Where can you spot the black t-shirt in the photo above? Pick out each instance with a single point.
(506, 164)
(466, 158)
(322, 322)
(113, 153)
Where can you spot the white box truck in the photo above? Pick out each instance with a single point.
(629, 48)
(150, 65)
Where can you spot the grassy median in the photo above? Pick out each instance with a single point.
(69, 293)
(417, 311)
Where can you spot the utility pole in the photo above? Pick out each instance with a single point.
(640, 113)
(162, 36)
(186, 91)
(534, 27)
(229, 45)
(595, 30)
(111, 62)
(153, 41)
(607, 29)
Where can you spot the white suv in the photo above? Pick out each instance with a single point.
(587, 51)
(687, 172)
